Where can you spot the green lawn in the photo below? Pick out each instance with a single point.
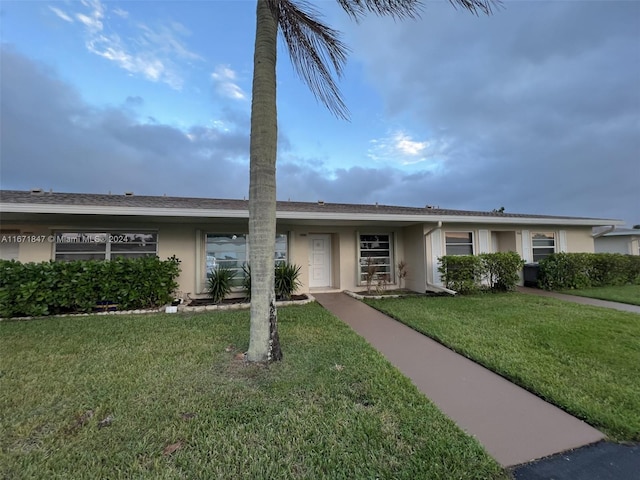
(583, 359)
(624, 294)
(334, 408)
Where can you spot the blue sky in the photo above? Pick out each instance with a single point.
(536, 108)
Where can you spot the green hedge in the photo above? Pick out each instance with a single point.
(565, 271)
(472, 273)
(48, 288)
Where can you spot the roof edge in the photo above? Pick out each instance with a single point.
(432, 217)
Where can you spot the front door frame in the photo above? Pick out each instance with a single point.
(327, 264)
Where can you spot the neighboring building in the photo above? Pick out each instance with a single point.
(620, 240)
(331, 242)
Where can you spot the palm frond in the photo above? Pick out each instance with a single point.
(357, 9)
(315, 49)
(477, 6)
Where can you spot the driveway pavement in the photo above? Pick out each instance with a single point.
(602, 461)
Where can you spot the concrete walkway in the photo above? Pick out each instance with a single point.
(582, 300)
(513, 425)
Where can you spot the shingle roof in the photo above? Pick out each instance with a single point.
(193, 203)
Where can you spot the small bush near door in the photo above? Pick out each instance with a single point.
(287, 280)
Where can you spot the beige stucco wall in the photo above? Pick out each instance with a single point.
(186, 241)
(414, 257)
(179, 240)
(344, 252)
(507, 241)
(173, 239)
(505, 238)
(509, 237)
(29, 251)
(580, 240)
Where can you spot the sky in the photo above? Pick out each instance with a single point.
(535, 108)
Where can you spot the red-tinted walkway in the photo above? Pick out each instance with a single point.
(514, 425)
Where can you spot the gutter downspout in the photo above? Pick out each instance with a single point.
(429, 286)
(439, 226)
(609, 229)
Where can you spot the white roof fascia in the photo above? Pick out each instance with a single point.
(578, 222)
(136, 211)
(617, 233)
(295, 215)
(447, 219)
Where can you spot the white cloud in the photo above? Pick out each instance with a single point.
(164, 39)
(156, 52)
(224, 79)
(93, 21)
(400, 148)
(60, 14)
(408, 147)
(121, 13)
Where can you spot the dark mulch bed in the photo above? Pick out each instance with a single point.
(201, 302)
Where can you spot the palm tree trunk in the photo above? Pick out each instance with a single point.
(264, 344)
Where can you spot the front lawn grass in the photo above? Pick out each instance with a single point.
(624, 294)
(583, 359)
(164, 396)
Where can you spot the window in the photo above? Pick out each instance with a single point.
(543, 244)
(104, 246)
(231, 251)
(281, 249)
(459, 243)
(376, 252)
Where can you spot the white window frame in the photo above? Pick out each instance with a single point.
(534, 247)
(280, 255)
(471, 242)
(361, 261)
(106, 237)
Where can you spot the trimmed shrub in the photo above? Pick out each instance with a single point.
(48, 288)
(472, 273)
(561, 271)
(501, 270)
(613, 269)
(566, 271)
(461, 273)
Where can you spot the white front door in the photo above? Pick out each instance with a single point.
(319, 261)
